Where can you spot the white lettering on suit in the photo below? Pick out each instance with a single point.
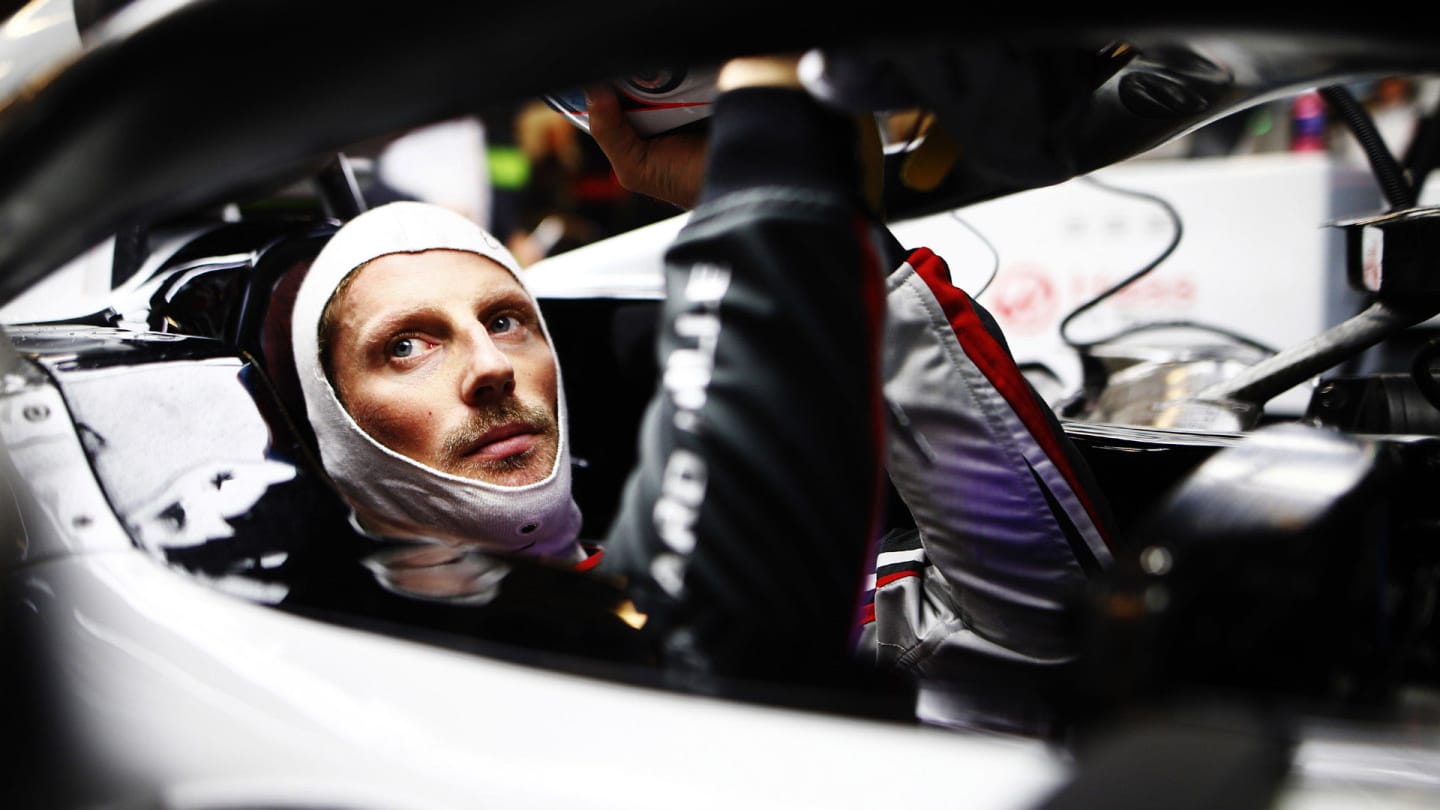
(686, 378)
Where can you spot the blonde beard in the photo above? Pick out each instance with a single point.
(517, 470)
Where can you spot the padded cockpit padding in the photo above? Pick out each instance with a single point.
(274, 341)
(263, 327)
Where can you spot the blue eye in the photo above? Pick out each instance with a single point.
(504, 323)
(403, 347)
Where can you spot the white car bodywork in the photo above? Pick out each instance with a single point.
(192, 696)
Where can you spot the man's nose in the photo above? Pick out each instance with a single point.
(487, 373)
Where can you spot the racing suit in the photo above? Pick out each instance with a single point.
(980, 600)
(795, 374)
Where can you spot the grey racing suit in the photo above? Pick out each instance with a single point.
(980, 600)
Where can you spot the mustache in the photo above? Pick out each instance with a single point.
(462, 439)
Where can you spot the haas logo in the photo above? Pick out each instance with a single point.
(1023, 298)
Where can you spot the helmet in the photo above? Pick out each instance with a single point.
(656, 101)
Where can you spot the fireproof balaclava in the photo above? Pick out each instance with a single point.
(391, 494)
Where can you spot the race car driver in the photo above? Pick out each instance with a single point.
(748, 527)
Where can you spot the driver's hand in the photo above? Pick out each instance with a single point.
(670, 168)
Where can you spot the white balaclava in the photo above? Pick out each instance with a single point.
(400, 497)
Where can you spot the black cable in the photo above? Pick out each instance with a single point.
(1128, 280)
(1228, 334)
(1393, 183)
(1133, 277)
(1093, 372)
(994, 254)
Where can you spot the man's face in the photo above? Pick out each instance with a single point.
(440, 357)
